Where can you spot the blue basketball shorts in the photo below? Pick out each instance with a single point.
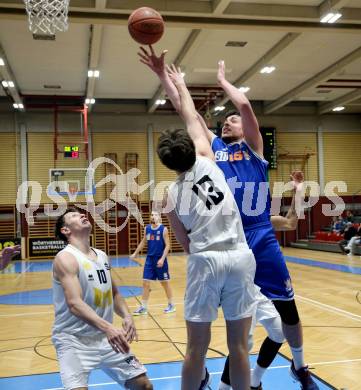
(272, 275)
(152, 272)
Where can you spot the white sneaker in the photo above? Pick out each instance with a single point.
(170, 308)
(141, 311)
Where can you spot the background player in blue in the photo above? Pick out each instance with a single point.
(156, 265)
(239, 153)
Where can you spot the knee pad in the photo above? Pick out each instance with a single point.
(287, 311)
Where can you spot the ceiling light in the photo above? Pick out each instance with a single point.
(21, 106)
(93, 73)
(335, 17)
(11, 84)
(2, 63)
(219, 108)
(244, 89)
(331, 17)
(268, 69)
(339, 108)
(160, 102)
(5, 84)
(89, 101)
(15, 105)
(92, 101)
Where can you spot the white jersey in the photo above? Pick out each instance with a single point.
(96, 285)
(207, 209)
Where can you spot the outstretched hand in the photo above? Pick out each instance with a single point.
(297, 179)
(150, 59)
(175, 74)
(221, 74)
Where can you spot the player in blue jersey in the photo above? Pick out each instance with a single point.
(239, 153)
(156, 265)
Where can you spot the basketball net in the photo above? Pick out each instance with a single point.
(72, 193)
(47, 16)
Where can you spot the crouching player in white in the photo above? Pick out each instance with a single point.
(221, 267)
(85, 297)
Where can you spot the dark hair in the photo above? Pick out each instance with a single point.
(60, 223)
(176, 150)
(230, 113)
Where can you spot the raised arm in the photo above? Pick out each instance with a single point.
(179, 230)
(289, 222)
(156, 64)
(250, 126)
(190, 115)
(65, 269)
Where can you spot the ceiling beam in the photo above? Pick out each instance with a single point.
(348, 98)
(96, 35)
(100, 4)
(219, 6)
(291, 12)
(7, 74)
(273, 52)
(193, 36)
(329, 5)
(170, 6)
(196, 22)
(313, 81)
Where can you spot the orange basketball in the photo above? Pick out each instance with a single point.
(146, 25)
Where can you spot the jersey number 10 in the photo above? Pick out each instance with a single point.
(102, 277)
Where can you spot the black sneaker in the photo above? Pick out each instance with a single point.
(304, 377)
(257, 388)
(206, 381)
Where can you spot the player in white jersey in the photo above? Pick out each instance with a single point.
(221, 267)
(85, 297)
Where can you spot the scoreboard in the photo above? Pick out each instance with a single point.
(269, 146)
(71, 151)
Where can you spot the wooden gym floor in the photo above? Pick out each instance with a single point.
(326, 297)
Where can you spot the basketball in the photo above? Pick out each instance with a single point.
(146, 25)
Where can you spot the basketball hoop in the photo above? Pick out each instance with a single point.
(47, 16)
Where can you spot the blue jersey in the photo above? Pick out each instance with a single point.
(246, 175)
(155, 241)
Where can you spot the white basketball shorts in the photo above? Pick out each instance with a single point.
(78, 356)
(220, 278)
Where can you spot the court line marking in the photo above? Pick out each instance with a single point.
(219, 373)
(52, 312)
(331, 308)
(313, 302)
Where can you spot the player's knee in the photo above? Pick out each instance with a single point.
(140, 383)
(287, 311)
(238, 348)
